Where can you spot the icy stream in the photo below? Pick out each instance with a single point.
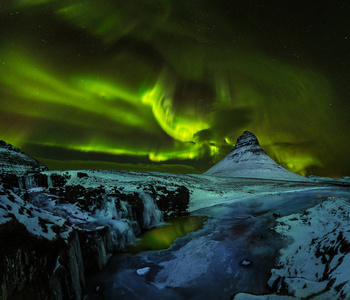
(234, 252)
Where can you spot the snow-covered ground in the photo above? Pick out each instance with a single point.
(256, 231)
(285, 233)
(39, 222)
(237, 251)
(205, 190)
(318, 261)
(315, 264)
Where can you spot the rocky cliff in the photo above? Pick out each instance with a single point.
(62, 226)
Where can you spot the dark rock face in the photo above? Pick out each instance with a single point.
(94, 245)
(27, 263)
(11, 179)
(59, 179)
(173, 203)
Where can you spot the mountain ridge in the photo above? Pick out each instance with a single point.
(15, 162)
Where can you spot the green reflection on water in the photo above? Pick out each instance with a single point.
(162, 237)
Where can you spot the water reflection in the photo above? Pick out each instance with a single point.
(162, 237)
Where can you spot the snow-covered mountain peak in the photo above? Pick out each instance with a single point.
(248, 159)
(247, 147)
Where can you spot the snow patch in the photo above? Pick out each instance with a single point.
(143, 271)
(317, 261)
(190, 262)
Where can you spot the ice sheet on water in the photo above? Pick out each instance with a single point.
(243, 296)
(189, 263)
(142, 271)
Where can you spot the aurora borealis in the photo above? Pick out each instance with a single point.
(166, 85)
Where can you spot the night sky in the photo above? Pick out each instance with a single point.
(169, 86)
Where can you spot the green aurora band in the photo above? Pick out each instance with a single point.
(130, 85)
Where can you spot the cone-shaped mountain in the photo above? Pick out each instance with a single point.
(249, 160)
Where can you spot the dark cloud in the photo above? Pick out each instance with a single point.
(224, 122)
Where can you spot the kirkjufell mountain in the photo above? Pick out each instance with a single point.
(249, 160)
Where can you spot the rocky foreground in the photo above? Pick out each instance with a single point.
(62, 226)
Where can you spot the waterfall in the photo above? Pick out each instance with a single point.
(49, 181)
(76, 267)
(151, 214)
(102, 257)
(125, 210)
(120, 222)
(21, 182)
(30, 181)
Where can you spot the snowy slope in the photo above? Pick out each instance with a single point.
(315, 265)
(14, 162)
(39, 222)
(248, 159)
(317, 262)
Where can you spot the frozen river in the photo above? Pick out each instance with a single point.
(233, 252)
